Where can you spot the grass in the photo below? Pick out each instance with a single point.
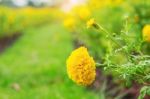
(36, 62)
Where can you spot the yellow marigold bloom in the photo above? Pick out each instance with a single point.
(84, 13)
(69, 23)
(146, 33)
(81, 67)
(92, 23)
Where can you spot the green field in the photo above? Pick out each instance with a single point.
(36, 64)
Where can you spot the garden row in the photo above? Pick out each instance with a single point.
(14, 20)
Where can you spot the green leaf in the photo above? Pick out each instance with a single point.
(144, 90)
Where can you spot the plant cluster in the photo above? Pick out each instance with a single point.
(117, 36)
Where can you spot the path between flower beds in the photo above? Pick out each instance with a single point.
(34, 67)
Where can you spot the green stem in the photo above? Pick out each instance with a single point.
(104, 30)
(100, 65)
(108, 33)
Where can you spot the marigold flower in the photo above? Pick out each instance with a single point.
(69, 23)
(146, 33)
(81, 67)
(84, 13)
(92, 23)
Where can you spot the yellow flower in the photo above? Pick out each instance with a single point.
(92, 23)
(84, 13)
(69, 22)
(146, 33)
(81, 67)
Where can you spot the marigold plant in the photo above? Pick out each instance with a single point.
(115, 38)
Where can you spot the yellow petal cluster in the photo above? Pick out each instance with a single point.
(81, 67)
(84, 13)
(69, 22)
(92, 23)
(146, 33)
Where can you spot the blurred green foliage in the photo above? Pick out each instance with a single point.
(35, 64)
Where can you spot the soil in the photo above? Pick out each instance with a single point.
(8, 41)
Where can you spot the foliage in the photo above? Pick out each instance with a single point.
(118, 39)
